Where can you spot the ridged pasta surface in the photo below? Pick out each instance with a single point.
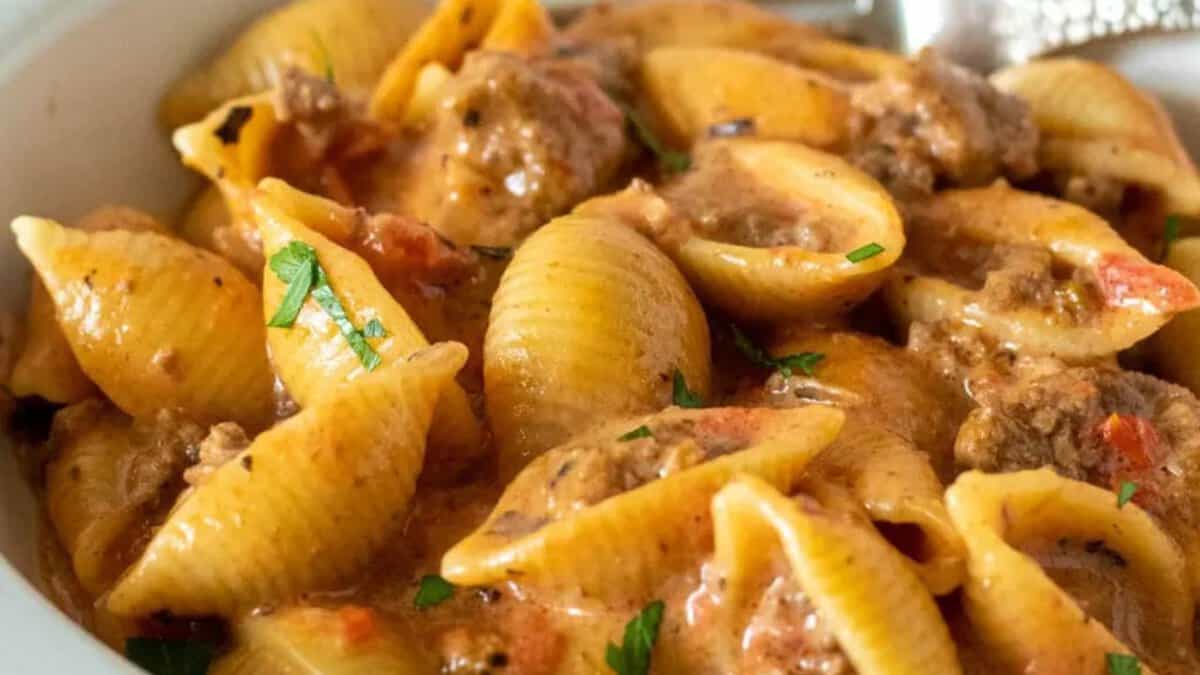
(302, 507)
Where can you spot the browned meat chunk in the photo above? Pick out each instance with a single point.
(940, 122)
(787, 636)
(514, 143)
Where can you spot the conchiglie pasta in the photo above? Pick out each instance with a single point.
(521, 27)
(695, 89)
(884, 621)
(1011, 521)
(1096, 123)
(109, 477)
(45, 366)
(349, 40)
(349, 640)
(897, 487)
(1033, 272)
(312, 357)
(763, 229)
(609, 515)
(303, 506)
(589, 324)
(156, 323)
(1174, 347)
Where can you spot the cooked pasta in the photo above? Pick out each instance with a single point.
(672, 337)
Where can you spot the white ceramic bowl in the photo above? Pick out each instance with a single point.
(79, 81)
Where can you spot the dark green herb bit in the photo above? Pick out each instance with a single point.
(1123, 664)
(633, 656)
(170, 657)
(681, 395)
(494, 252)
(802, 361)
(434, 590)
(374, 329)
(670, 160)
(230, 131)
(864, 252)
(640, 432)
(323, 293)
(1170, 233)
(1126, 492)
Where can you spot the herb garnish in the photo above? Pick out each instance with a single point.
(633, 656)
(434, 590)
(802, 361)
(1126, 492)
(681, 395)
(640, 432)
(671, 161)
(296, 265)
(170, 657)
(324, 51)
(494, 252)
(230, 131)
(1122, 664)
(864, 252)
(1170, 233)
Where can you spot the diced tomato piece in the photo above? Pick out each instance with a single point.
(357, 624)
(1125, 281)
(1134, 438)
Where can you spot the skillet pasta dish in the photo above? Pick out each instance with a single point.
(679, 338)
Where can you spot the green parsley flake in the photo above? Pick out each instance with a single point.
(640, 432)
(1123, 664)
(681, 395)
(1128, 489)
(434, 590)
(170, 657)
(633, 656)
(864, 252)
(1170, 233)
(374, 329)
(296, 265)
(802, 361)
(670, 160)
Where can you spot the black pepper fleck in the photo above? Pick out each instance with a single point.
(230, 130)
(248, 462)
(471, 118)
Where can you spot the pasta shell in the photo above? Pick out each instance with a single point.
(694, 89)
(110, 475)
(1137, 296)
(303, 507)
(896, 485)
(313, 358)
(317, 641)
(734, 261)
(1096, 123)
(521, 27)
(454, 28)
(351, 40)
(1174, 346)
(427, 94)
(156, 323)
(589, 323)
(46, 367)
(884, 620)
(606, 546)
(1019, 612)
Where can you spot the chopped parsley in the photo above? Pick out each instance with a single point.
(633, 656)
(323, 50)
(1122, 664)
(494, 252)
(230, 131)
(865, 252)
(802, 361)
(1126, 492)
(681, 395)
(1170, 233)
(669, 160)
(296, 265)
(640, 432)
(434, 590)
(170, 657)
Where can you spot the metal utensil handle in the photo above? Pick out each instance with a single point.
(1029, 27)
(808, 11)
